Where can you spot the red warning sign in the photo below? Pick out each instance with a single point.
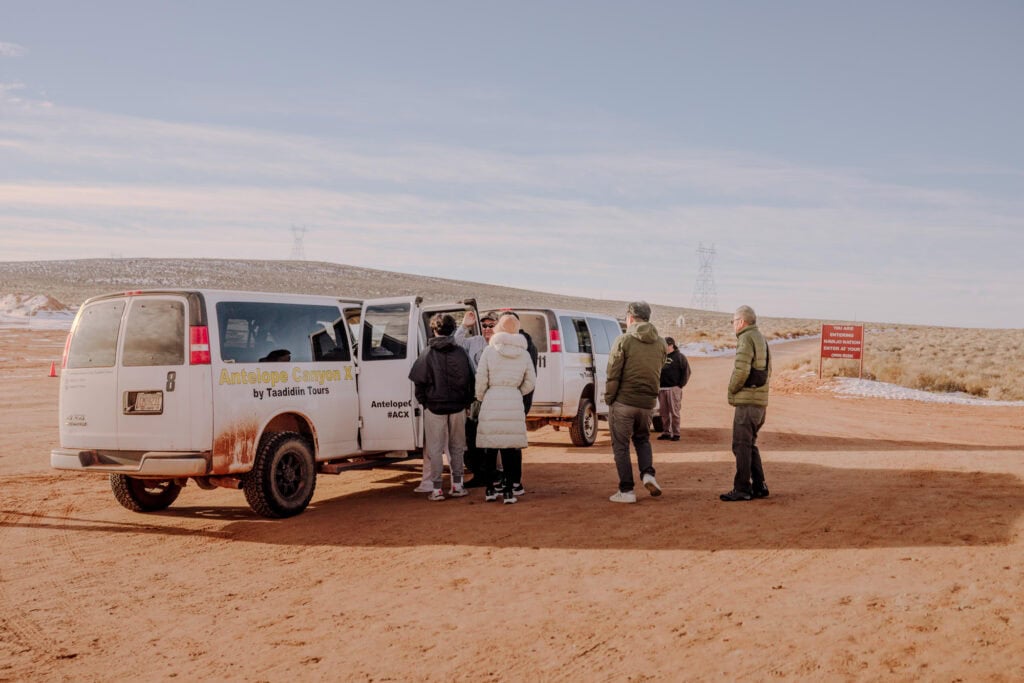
(842, 341)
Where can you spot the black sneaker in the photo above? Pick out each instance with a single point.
(490, 495)
(664, 437)
(734, 496)
(475, 483)
(675, 438)
(760, 491)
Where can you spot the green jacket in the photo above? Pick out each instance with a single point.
(634, 367)
(747, 340)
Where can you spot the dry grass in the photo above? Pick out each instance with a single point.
(978, 362)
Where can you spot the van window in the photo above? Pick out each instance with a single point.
(250, 330)
(609, 330)
(575, 335)
(599, 335)
(583, 334)
(385, 332)
(535, 325)
(154, 333)
(95, 342)
(331, 343)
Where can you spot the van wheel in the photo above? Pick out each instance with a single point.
(143, 495)
(282, 478)
(583, 429)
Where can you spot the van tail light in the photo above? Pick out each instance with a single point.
(64, 358)
(556, 341)
(199, 345)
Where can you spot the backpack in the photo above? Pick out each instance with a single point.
(686, 369)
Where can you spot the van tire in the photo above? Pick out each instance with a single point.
(283, 476)
(144, 495)
(583, 429)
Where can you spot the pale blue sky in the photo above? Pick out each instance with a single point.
(847, 160)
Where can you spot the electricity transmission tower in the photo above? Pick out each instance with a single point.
(704, 296)
(298, 251)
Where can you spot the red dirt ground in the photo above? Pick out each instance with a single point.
(890, 548)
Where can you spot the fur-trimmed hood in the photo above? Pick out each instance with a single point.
(508, 345)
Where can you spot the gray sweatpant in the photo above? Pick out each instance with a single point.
(628, 423)
(444, 433)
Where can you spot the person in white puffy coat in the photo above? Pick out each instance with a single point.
(504, 375)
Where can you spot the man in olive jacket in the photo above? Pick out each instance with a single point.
(748, 392)
(631, 392)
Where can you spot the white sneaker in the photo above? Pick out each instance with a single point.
(436, 494)
(623, 497)
(651, 484)
(458, 491)
(424, 487)
(518, 490)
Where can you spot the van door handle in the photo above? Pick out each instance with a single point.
(171, 377)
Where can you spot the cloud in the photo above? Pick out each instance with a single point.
(11, 50)
(615, 223)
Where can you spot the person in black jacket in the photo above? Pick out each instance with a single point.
(674, 376)
(444, 385)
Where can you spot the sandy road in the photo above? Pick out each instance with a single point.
(891, 547)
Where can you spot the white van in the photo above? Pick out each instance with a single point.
(247, 390)
(572, 367)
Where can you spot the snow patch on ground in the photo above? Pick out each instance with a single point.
(34, 311)
(848, 386)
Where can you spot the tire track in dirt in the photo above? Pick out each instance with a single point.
(18, 628)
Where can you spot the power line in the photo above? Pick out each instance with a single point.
(298, 250)
(704, 295)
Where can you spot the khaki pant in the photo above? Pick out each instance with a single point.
(670, 399)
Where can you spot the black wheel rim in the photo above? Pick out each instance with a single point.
(289, 474)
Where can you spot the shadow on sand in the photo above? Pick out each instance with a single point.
(811, 507)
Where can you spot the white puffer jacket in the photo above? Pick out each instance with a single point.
(504, 375)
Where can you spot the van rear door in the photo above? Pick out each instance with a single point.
(387, 349)
(547, 395)
(88, 396)
(154, 381)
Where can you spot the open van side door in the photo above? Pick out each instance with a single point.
(388, 345)
(604, 333)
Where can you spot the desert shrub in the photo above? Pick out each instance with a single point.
(937, 359)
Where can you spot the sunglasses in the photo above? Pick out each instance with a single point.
(487, 325)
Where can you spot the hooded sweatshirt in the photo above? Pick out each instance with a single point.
(634, 367)
(443, 377)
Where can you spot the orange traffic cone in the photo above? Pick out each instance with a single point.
(53, 368)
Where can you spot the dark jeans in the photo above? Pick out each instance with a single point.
(474, 457)
(746, 423)
(628, 423)
(511, 464)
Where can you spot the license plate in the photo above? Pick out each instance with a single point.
(146, 402)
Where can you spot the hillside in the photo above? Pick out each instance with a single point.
(927, 358)
(72, 282)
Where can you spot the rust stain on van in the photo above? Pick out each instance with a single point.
(234, 448)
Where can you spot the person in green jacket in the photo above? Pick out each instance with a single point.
(748, 392)
(631, 392)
